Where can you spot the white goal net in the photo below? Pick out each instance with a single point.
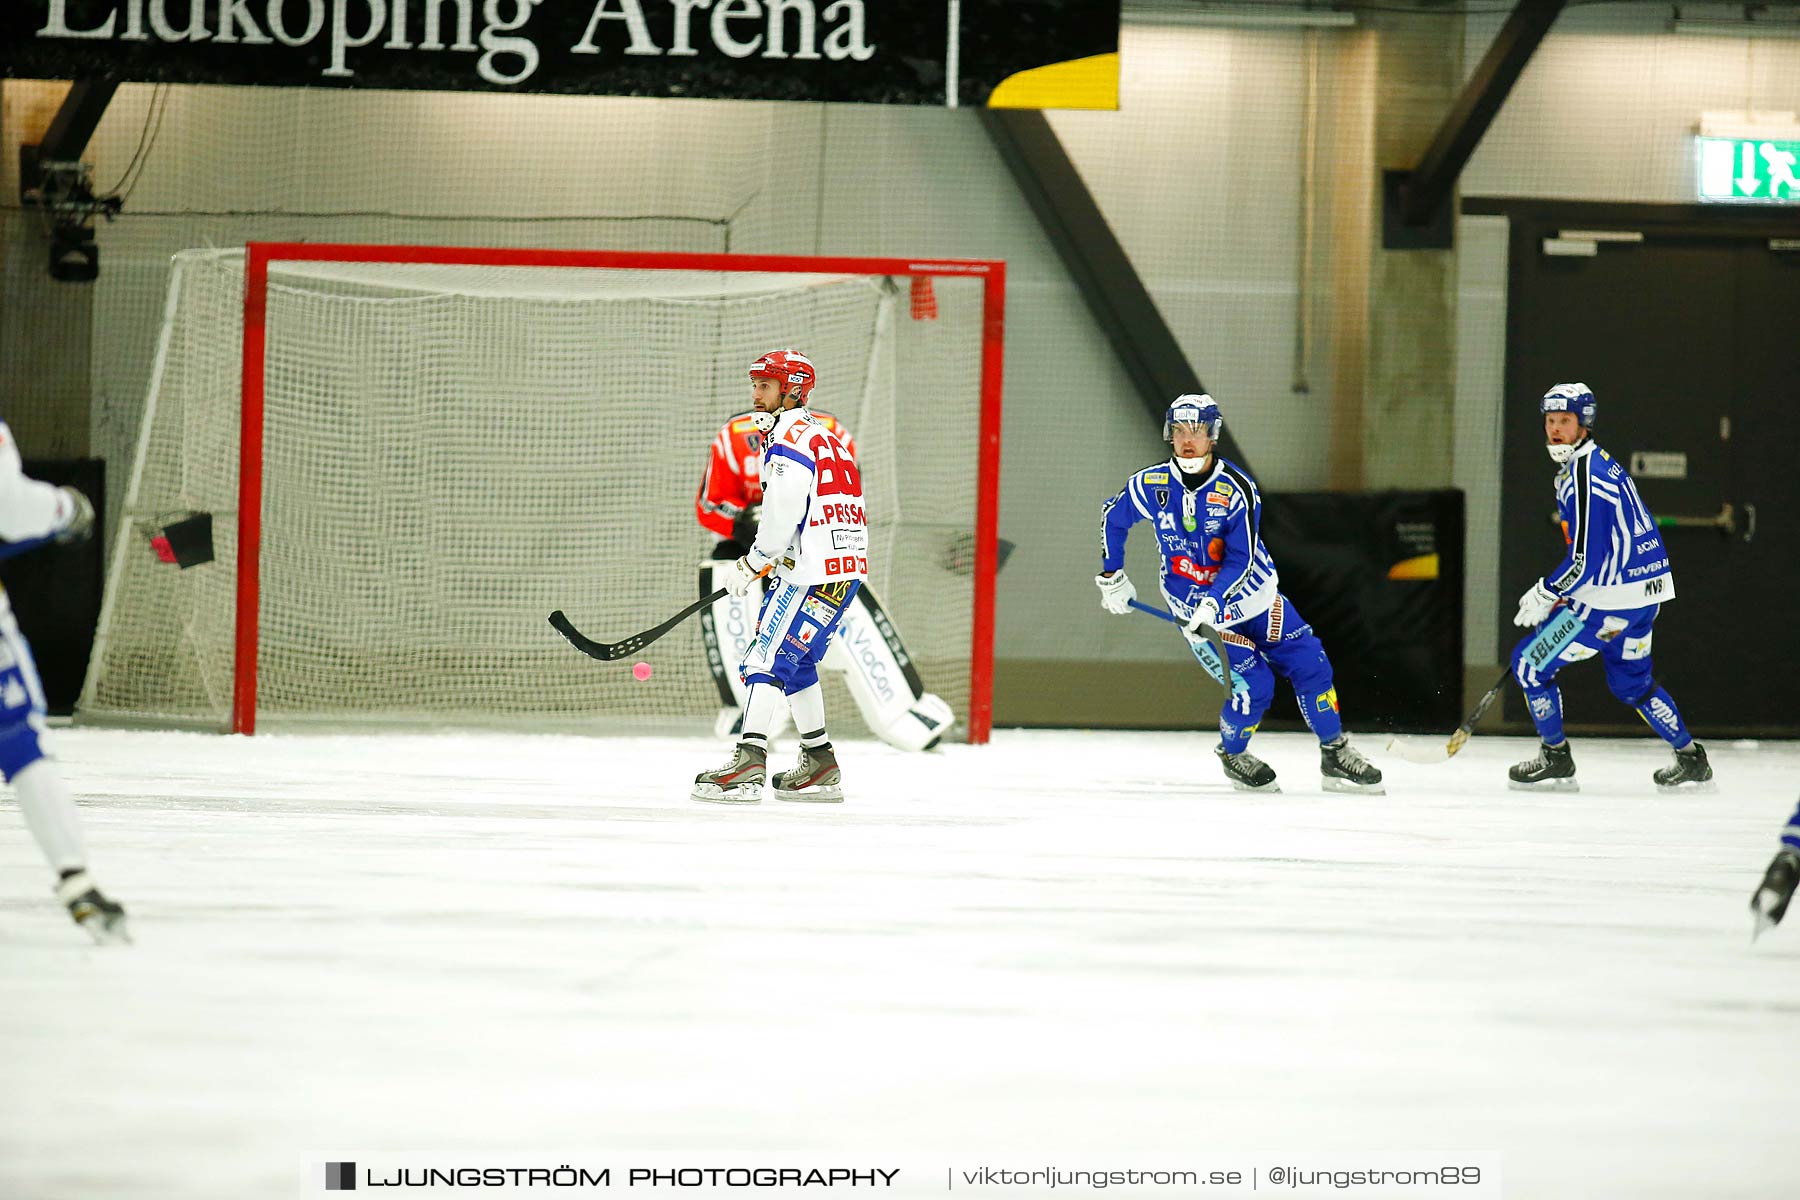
(451, 452)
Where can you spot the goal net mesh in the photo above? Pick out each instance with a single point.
(451, 452)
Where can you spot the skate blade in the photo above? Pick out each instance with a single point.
(712, 793)
(1548, 785)
(829, 793)
(1267, 787)
(103, 934)
(1762, 922)
(1704, 787)
(1333, 784)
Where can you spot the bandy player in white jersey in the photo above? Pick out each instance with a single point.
(32, 514)
(867, 651)
(813, 545)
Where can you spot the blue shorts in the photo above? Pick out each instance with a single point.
(793, 631)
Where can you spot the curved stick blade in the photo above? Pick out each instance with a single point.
(1418, 750)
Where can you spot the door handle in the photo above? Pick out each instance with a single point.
(1725, 521)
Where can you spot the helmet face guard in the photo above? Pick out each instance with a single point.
(791, 370)
(1576, 398)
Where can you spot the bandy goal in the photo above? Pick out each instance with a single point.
(410, 455)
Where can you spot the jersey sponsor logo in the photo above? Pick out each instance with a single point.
(1661, 564)
(1326, 700)
(1215, 549)
(1162, 497)
(1217, 497)
(806, 633)
(832, 593)
(1653, 587)
(1214, 524)
(818, 609)
(1187, 568)
(1223, 487)
(1157, 477)
(848, 564)
(850, 539)
(1662, 713)
(1542, 706)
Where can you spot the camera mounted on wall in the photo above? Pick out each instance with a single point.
(64, 191)
(54, 180)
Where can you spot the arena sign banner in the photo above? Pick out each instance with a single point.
(999, 53)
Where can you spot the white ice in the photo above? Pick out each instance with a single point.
(1063, 942)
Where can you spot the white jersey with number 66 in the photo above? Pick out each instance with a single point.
(812, 509)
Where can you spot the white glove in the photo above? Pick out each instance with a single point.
(1205, 613)
(81, 517)
(1116, 592)
(739, 577)
(1535, 605)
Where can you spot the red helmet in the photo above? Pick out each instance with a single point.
(792, 370)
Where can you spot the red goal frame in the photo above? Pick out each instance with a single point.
(258, 256)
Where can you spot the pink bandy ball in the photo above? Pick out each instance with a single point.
(641, 671)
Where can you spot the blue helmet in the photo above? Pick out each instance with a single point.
(1193, 409)
(1571, 397)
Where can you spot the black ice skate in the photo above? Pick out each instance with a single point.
(815, 779)
(1770, 903)
(1690, 772)
(739, 781)
(1343, 769)
(103, 919)
(1247, 772)
(1553, 770)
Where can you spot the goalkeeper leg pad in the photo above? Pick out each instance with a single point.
(882, 679)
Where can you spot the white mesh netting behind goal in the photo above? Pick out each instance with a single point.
(451, 452)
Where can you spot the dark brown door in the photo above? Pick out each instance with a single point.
(1691, 345)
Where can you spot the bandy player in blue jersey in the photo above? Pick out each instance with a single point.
(1207, 515)
(1772, 896)
(1615, 576)
(813, 544)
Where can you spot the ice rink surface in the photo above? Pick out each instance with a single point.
(1063, 943)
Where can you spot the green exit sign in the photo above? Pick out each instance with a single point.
(1745, 169)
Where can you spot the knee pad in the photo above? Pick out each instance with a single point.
(19, 747)
(1631, 687)
(1310, 675)
(1247, 708)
